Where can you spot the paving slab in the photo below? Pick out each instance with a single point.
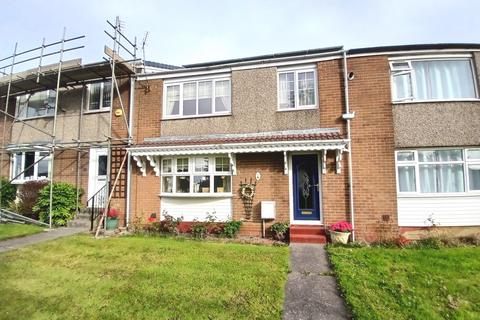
(311, 291)
(12, 244)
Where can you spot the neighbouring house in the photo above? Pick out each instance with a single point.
(386, 138)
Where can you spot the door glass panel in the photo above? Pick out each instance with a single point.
(102, 165)
(304, 188)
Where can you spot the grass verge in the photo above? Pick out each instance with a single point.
(143, 278)
(14, 230)
(394, 283)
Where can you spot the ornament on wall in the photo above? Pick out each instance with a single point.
(247, 193)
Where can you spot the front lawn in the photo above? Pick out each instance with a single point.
(142, 278)
(381, 283)
(14, 230)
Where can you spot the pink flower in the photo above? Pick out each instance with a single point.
(342, 226)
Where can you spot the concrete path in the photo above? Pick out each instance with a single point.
(12, 244)
(311, 291)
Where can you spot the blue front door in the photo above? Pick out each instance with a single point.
(305, 187)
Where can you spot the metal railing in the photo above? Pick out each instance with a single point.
(96, 204)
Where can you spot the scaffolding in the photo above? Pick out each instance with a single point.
(67, 75)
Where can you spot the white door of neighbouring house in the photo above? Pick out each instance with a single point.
(97, 172)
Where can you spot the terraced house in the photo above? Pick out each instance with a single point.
(386, 138)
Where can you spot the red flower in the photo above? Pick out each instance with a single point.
(342, 226)
(112, 213)
(152, 219)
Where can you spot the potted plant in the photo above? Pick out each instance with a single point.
(112, 219)
(152, 218)
(279, 230)
(340, 232)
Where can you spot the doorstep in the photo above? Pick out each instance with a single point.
(307, 234)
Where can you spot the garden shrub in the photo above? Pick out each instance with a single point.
(279, 230)
(64, 203)
(9, 193)
(28, 195)
(231, 228)
(169, 224)
(201, 229)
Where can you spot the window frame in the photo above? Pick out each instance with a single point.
(296, 71)
(411, 71)
(192, 173)
(21, 179)
(196, 80)
(416, 163)
(102, 108)
(17, 106)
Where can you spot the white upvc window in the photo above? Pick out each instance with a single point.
(433, 79)
(99, 96)
(200, 175)
(438, 171)
(297, 89)
(197, 98)
(27, 166)
(34, 105)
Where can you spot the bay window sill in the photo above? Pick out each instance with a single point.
(195, 195)
(439, 195)
(436, 101)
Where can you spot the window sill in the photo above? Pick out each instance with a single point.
(33, 118)
(197, 116)
(96, 111)
(439, 195)
(24, 181)
(436, 101)
(195, 195)
(297, 109)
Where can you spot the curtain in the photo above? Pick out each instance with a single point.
(287, 90)
(474, 176)
(436, 178)
(306, 88)
(107, 88)
(190, 99)
(446, 79)
(94, 96)
(173, 100)
(222, 96)
(403, 88)
(205, 97)
(406, 178)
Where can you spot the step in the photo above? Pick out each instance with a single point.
(308, 230)
(307, 238)
(78, 224)
(83, 216)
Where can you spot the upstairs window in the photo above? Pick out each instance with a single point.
(297, 89)
(36, 105)
(99, 96)
(30, 165)
(197, 98)
(423, 80)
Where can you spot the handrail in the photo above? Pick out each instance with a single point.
(99, 198)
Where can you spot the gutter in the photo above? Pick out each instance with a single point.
(348, 117)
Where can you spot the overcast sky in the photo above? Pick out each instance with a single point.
(182, 32)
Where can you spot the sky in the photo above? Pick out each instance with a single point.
(183, 32)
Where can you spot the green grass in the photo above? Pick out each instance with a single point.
(394, 283)
(14, 230)
(142, 278)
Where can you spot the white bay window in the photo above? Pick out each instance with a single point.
(30, 165)
(438, 171)
(200, 98)
(196, 175)
(434, 79)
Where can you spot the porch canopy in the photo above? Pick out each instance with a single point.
(321, 140)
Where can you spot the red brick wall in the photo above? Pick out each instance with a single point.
(65, 169)
(373, 149)
(273, 186)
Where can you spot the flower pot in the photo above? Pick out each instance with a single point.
(112, 224)
(339, 237)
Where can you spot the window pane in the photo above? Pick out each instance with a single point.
(405, 156)
(173, 100)
(441, 178)
(222, 96)
(201, 164)
(107, 88)
(29, 161)
(201, 184)
(167, 165)
(222, 184)
(167, 184)
(406, 179)
(18, 165)
(182, 165)
(43, 165)
(286, 90)
(40, 104)
(190, 99)
(205, 97)
(447, 79)
(306, 88)
(222, 164)
(403, 86)
(94, 96)
(473, 154)
(183, 184)
(440, 155)
(102, 165)
(22, 103)
(474, 176)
